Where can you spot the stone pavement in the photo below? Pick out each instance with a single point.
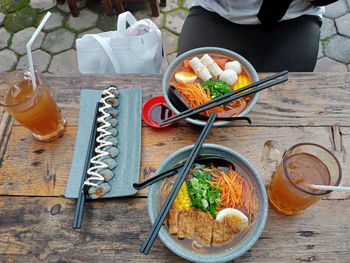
(54, 51)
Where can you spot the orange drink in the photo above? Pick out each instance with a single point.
(304, 164)
(33, 108)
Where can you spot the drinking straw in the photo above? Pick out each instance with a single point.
(223, 101)
(147, 244)
(29, 47)
(330, 187)
(79, 206)
(254, 84)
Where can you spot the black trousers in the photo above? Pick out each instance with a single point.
(291, 44)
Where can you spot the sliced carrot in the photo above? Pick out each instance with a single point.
(221, 62)
(236, 192)
(196, 94)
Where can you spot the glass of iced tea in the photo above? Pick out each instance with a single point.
(33, 108)
(302, 165)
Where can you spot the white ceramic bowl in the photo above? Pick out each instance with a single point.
(199, 52)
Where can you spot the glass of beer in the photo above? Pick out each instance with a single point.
(302, 165)
(32, 107)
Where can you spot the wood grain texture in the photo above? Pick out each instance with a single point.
(41, 169)
(39, 230)
(6, 123)
(307, 99)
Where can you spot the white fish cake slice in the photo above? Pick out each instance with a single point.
(235, 66)
(212, 66)
(229, 76)
(201, 70)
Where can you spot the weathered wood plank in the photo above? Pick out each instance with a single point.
(6, 123)
(41, 169)
(39, 230)
(311, 99)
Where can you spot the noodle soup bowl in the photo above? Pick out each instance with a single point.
(212, 51)
(219, 255)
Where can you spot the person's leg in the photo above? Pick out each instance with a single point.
(291, 45)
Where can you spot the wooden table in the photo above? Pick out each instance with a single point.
(35, 218)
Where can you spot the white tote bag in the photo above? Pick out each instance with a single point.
(136, 49)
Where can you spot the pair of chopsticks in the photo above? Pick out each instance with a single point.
(79, 206)
(147, 244)
(229, 97)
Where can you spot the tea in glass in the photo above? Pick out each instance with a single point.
(304, 164)
(32, 107)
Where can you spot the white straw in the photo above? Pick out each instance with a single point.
(29, 47)
(330, 187)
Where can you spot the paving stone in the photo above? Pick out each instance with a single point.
(20, 19)
(336, 9)
(175, 20)
(170, 5)
(85, 20)
(64, 63)
(338, 48)
(43, 5)
(58, 40)
(170, 42)
(187, 3)
(343, 25)
(55, 21)
(41, 60)
(159, 21)
(147, 14)
(107, 23)
(91, 31)
(65, 7)
(20, 39)
(13, 5)
(320, 50)
(2, 18)
(8, 60)
(329, 65)
(171, 57)
(4, 37)
(328, 28)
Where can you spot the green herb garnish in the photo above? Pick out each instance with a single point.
(216, 88)
(201, 193)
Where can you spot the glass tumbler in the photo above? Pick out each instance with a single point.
(33, 108)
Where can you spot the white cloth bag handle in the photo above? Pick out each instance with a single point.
(122, 19)
(109, 52)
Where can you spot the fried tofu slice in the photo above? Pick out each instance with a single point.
(204, 228)
(173, 220)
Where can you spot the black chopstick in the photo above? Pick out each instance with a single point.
(79, 207)
(223, 101)
(147, 244)
(254, 84)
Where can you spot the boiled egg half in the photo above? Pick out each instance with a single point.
(236, 217)
(185, 76)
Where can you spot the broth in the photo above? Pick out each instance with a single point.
(233, 108)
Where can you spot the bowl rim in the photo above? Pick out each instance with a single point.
(243, 246)
(246, 64)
